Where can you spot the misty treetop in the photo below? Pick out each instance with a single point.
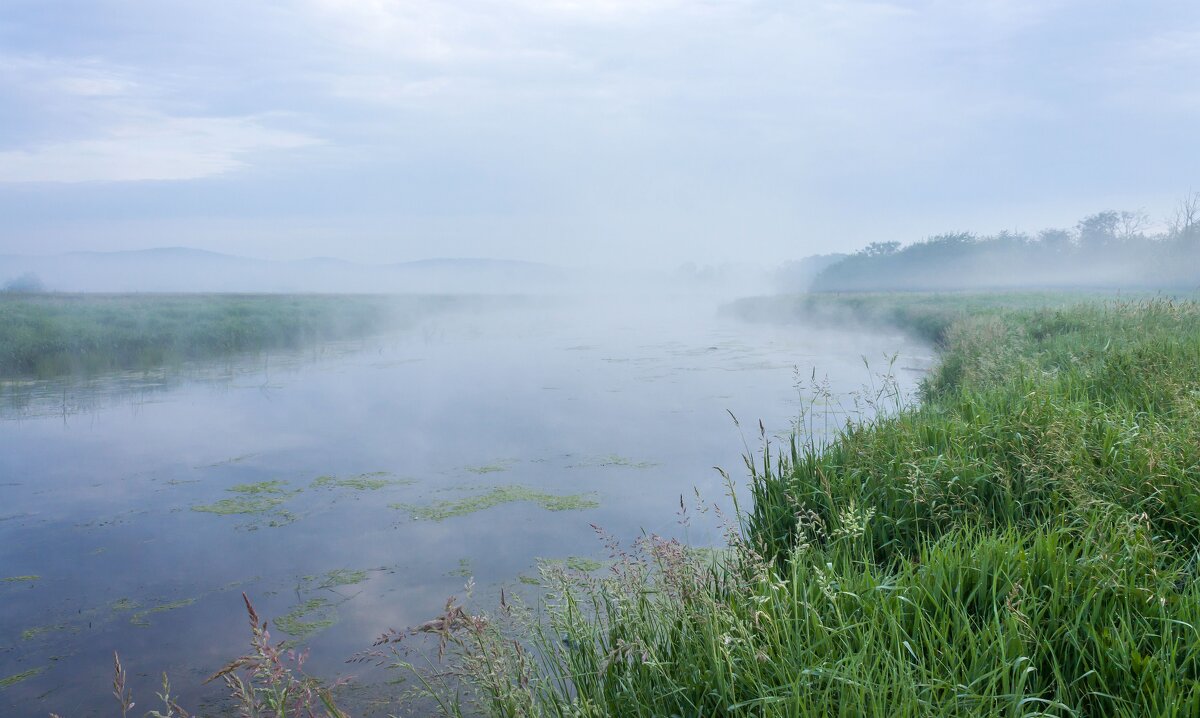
(1106, 249)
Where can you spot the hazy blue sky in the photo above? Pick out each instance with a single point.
(579, 131)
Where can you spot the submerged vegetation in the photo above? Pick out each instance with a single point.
(1022, 542)
(306, 619)
(16, 678)
(44, 335)
(449, 508)
(256, 498)
(20, 579)
(362, 482)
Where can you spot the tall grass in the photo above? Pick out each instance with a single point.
(1024, 542)
(54, 334)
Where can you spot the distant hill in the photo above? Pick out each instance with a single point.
(183, 269)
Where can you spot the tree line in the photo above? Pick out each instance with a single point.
(1109, 249)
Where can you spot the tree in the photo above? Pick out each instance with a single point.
(1099, 229)
(1185, 222)
(1056, 239)
(880, 249)
(27, 283)
(1130, 225)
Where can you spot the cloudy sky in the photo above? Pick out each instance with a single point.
(583, 131)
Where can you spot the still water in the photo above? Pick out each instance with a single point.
(349, 488)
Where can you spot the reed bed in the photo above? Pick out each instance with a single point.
(1022, 542)
(47, 335)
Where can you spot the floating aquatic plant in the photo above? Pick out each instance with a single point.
(450, 508)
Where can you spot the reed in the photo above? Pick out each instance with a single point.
(49, 335)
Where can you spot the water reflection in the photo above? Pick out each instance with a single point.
(356, 485)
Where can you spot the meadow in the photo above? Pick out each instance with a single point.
(1023, 541)
(47, 335)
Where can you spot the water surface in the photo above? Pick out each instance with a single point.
(385, 471)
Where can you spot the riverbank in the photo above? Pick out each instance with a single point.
(1022, 542)
(47, 335)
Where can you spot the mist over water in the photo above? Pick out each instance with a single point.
(613, 407)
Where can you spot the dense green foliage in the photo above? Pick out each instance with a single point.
(1024, 542)
(1108, 249)
(52, 334)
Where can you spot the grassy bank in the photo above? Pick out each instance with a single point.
(55, 334)
(1023, 542)
(924, 315)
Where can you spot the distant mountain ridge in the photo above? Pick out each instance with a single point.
(186, 269)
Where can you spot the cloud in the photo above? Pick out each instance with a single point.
(157, 147)
(110, 123)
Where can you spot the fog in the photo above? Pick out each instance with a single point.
(354, 306)
(620, 407)
(594, 134)
(187, 270)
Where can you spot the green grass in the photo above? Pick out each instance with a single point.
(1023, 542)
(925, 315)
(57, 334)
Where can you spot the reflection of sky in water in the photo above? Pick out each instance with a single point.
(97, 480)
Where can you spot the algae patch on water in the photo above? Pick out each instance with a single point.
(494, 467)
(361, 482)
(231, 507)
(21, 579)
(37, 631)
(141, 618)
(464, 569)
(226, 462)
(574, 563)
(613, 461)
(441, 510)
(338, 577)
(260, 488)
(256, 498)
(18, 677)
(298, 623)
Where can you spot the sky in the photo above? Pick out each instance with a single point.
(602, 132)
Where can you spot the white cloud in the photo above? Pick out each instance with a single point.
(118, 125)
(155, 148)
(80, 77)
